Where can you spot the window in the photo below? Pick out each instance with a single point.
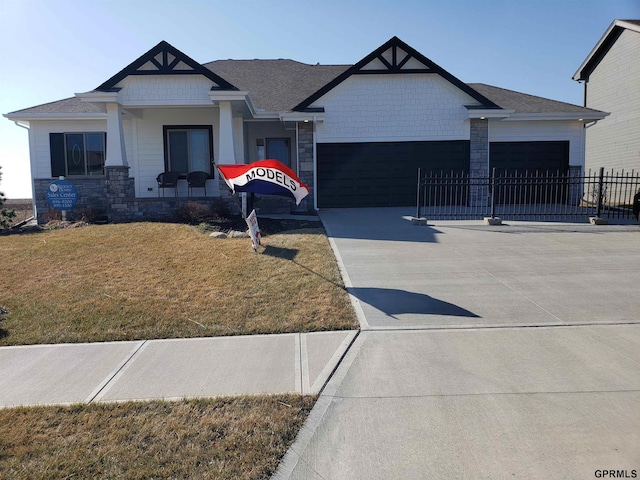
(188, 149)
(274, 148)
(77, 154)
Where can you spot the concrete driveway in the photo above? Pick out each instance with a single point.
(486, 352)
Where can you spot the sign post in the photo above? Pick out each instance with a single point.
(254, 230)
(62, 195)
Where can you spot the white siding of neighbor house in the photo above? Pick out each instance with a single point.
(541, 131)
(614, 86)
(412, 107)
(165, 90)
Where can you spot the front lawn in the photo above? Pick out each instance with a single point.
(161, 280)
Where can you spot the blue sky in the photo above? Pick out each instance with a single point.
(52, 49)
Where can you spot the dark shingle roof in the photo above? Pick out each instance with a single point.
(276, 85)
(68, 105)
(525, 103)
(279, 85)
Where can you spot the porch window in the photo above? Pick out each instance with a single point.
(78, 153)
(188, 149)
(274, 148)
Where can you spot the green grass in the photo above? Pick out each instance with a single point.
(238, 438)
(160, 280)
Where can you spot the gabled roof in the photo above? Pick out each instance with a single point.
(523, 103)
(394, 57)
(276, 85)
(164, 59)
(603, 46)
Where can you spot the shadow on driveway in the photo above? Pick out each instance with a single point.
(394, 302)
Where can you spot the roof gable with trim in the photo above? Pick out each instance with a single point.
(164, 59)
(603, 46)
(395, 57)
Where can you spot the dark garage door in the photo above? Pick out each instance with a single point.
(532, 170)
(382, 174)
(529, 156)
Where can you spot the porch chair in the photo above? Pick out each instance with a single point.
(168, 180)
(197, 180)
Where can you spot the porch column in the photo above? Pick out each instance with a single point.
(479, 161)
(227, 152)
(116, 153)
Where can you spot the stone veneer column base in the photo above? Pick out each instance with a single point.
(479, 161)
(305, 166)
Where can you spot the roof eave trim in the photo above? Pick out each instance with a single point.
(55, 116)
(561, 116)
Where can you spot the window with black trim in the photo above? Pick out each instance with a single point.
(274, 148)
(78, 153)
(188, 148)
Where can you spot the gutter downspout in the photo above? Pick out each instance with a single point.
(33, 186)
(315, 168)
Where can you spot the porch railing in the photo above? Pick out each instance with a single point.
(526, 195)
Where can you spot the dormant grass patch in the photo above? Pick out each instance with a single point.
(228, 438)
(160, 280)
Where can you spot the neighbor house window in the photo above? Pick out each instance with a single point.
(188, 149)
(274, 148)
(78, 153)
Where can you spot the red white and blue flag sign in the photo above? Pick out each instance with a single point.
(268, 177)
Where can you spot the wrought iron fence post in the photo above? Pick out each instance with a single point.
(600, 190)
(492, 184)
(418, 197)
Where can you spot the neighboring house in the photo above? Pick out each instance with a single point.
(356, 134)
(611, 77)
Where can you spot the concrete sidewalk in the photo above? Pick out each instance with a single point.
(169, 369)
(508, 352)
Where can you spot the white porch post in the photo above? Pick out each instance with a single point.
(116, 154)
(227, 153)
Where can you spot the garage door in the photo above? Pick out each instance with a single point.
(382, 174)
(529, 156)
(540, 162)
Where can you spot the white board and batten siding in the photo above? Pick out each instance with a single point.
(614, 86)
(394, 108)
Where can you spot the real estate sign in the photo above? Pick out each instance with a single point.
(62, 195)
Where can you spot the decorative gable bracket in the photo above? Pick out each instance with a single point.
(395, 57)
(164, 59)
(393, 60)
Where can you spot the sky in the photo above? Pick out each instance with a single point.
(52, 49)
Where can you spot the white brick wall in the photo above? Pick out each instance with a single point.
(165, 90)
(367, 108)
(614, 86)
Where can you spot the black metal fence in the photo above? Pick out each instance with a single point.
(525, 195)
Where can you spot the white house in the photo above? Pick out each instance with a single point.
(611, 77)
(356, 134)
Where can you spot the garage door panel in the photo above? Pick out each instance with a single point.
(382, 174)
(530, 158)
